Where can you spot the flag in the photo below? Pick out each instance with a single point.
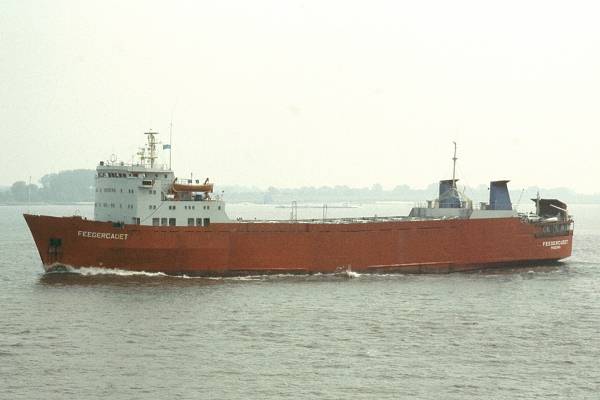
(166, 146)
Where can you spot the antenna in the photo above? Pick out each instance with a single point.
(170, 140)
(454, 167)
(171, 133)
(29, 195)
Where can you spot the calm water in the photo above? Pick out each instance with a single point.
(528, 333)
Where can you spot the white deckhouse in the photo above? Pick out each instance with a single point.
(147, 194)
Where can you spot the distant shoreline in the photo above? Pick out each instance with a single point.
(47, 203)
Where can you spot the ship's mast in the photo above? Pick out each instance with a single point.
(151, 148)
(454, 168)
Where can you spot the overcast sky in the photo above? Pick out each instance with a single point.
(292, 93)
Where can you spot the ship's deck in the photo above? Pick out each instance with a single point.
(528, 218)
(352, 220)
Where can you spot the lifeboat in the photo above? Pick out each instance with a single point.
(181, 187)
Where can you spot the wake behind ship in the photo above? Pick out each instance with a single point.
(145, 219)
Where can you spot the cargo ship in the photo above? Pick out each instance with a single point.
(146, 219)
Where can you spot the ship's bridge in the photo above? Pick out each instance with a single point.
(147, 194)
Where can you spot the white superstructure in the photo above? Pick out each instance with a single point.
(147, 194)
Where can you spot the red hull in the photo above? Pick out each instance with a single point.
(438, 246)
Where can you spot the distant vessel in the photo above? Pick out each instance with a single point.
(145, 219)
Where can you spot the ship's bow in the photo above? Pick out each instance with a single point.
(48, 235)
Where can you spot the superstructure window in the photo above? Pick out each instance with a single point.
(155, 221)
(190, 221)
(198, 221)
(163, 222)
(172, 222)
(206, 221)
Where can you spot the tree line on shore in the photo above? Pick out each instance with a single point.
(63, 187)
(78, 186)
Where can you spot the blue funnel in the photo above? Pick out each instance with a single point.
(499, 196)
(448, 197)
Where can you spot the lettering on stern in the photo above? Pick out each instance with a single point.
(555, 244)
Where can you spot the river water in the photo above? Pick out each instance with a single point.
(518, 334)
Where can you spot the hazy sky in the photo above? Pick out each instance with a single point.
(291, 93)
